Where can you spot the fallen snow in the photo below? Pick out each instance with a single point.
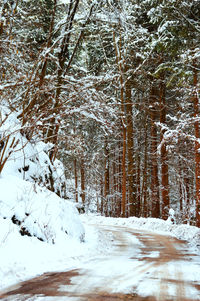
(39, 231)
(127, 270)
(183, 232)
(53, 220)
(23, 257)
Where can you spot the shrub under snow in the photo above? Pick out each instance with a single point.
(37, 211)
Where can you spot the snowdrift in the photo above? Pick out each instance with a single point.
(38, 212)
(26, 173)
(37, 224)
(183, 232)
(39, 231)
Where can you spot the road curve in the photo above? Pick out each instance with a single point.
(142, 266)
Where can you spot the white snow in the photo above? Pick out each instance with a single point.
(22, 257)
(183, 232)
(122, 272)
(45, 216)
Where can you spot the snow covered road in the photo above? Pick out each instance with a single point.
(141, 265)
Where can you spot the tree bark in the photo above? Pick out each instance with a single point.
(76, 180)
(114, 190)
(154, 160)
(164, 157)
(131, 177)
(144, 185)
(119, 197)
(83, 181)
(197, 144)
(106, 178)
(123, 206)
(138, 194)
(124, 130)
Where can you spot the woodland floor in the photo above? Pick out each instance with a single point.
(142, 266)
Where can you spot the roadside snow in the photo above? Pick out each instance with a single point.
(39, 231)
(39, 211)
(23, 257)
(183, 232)
(53, 225)
(46, 216)
(142, 263)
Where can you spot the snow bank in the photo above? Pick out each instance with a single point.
(36, 229)
(37, 211)
(183, 232)
(28, 157)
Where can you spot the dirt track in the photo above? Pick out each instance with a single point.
(159, 261)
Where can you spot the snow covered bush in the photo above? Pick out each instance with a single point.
(28, 159)
(28, 182)
(38, 212)
(37, 226)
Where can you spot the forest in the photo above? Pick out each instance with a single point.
(111, 87)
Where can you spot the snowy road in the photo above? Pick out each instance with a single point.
(141, 266)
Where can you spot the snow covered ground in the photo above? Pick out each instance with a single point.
(142, 263)
(183, 232)
(22, 257)
(39, 231)
(115, 259)
(54, 237)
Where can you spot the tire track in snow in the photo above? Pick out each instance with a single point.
(140, 266)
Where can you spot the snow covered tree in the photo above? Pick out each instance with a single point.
(113, 88)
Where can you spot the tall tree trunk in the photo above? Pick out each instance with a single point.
(131, 177)
(119, 197)
(163, 156)
(102, 196)
(118, 51)
(186, 181)
(144, 185)
(154, 159)
(83, 181)
(197, 144)
(138, 194)
(114, 209)
(76, 180)
(106, 178)
(123, 206)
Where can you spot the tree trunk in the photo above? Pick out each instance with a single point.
(76, 180)
(119, 197)
(197, 144)
(123, 206)
(130, 153)
(186, 188)
(106, 178)
(26, 110)
(83, 181)
(144, 185)
(138, 194)
(118, 51)
(163, 157)
(101, 193)
(154, 159)
(114, 191)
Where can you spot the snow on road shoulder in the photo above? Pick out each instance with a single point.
(23, 257)
(39, 231)
(38, 213)
(183, 232)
